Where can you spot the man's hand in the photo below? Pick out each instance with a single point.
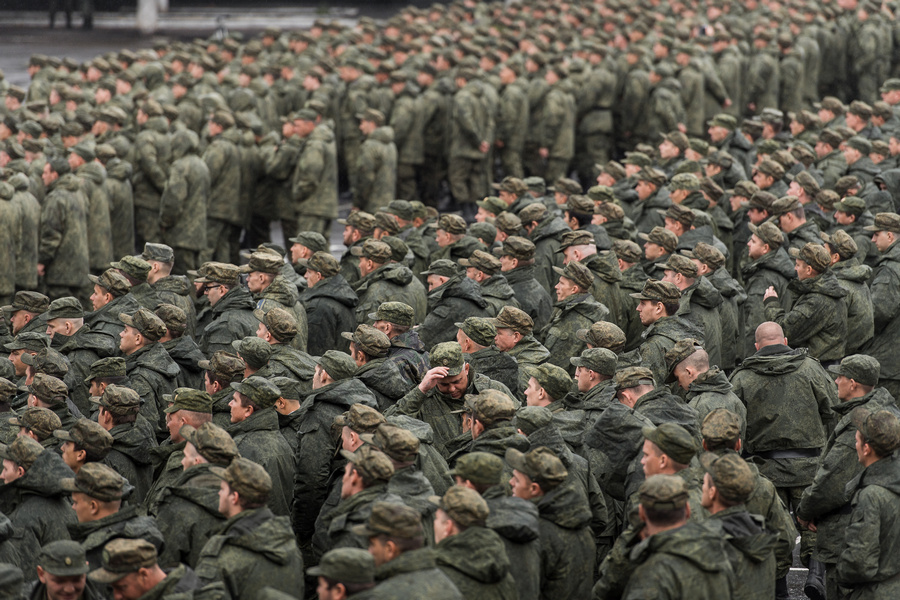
(808, 525)
(42, 270)
(432, 377)
(770, 293)
(727, 103)
(484, 147)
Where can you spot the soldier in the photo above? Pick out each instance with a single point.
(271, 289)
(658, 245)
(854, 278)
(358, 227)
(112, 296)
(581, 247)
(220, 372)
(61, 573)
(135, 269)
(885, 231)
(770, 267)
(471, 136)
(92, 176)
(46, 391)
(476, 338)
(545, 232)
(699, 302)
(130, 568)
(183, 205)
(517, 263)
(225, 215)
(38, 424)
(277, 328)
(395, 320)
(489, 418)
(512, 119)
(231, 316)
(450, 294)
(830, 159)
(86, 442)
(63, 257)
(381, 280)
(375, 170)
(484, 269)
(369, 348)
(344, 572)
(515, 337)
(314, 184)
(26, 312)
(707, 386)
(181, 348)
(152, 160)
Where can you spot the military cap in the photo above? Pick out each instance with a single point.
(531, 418)
(679, 213)
(465, 506)
(540, 464)
(321, 262)
(771, 115)
(399, 444)
(14, 149)
(661, 237)
(28, 301)
(279, 322)
(578, 274)
(860, 143)
(63, 558)
(663, 492)
(373, 115)
(878, 147)
(387, 223)
(211, 442)
(601, 334)
(601, 193)
(673, 440)
(771, 168)
(134, 267)
(860, 109)
(566, 186)
(513, 185)
(96, 480)
(147, 323)
(678, 139)
(579, 205)
(216, 272)
(87, 435)
(599, 360)
(119, 400)
(57, 164)
(29, 340)
(829, 199)
(513, 318)
(312, 240)
(480, 330)
(861, 368)
(360, 418)
(172, 317)
(721, 425)
(784, 205)
(41, 421)
(16, 92)
(49, 389)
(372, 463)
(483, 261)
(376, 251)
(840, 242)
(555, 380)
(442, 267)
(884, 222)
(338, 365)
(23, 451)
(8, 390)
(707, 254)
(84, 150)
(393, 520)
(630, 377)
(247, 478)
(682, 265)
(397, 313)
(638, 159)
(730, 474)
(449, 355)
(48, 361)
(68, 307)
(32, 128)
(113, 366)
(492, 204)
(481, 468)
(223, 118)
(399, 208)
(533, 212)
(815, 255)
(123, 556)
(830, 137)
(807, 182)
(399, 249)
(508, 223)
(747, 189)
(699, 146)
(190, 399)
(518, 247)
(368, 339)
(226, 365)
(263, 262)
(768, 233)
(685, 181)
(491, 407)
(890, 85)
(658, 291)
(346, 565)
(452, 224)
(881, 429)
(612, 212)
(536, 185)
(653, 176)
(723, 120)
(627, 251)
(259, 390)
(576, 238)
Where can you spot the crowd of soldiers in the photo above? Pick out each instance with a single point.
(634, 378)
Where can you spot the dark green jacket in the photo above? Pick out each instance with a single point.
(282, 293)
(499, 366)
(475, 561)
(429, 462)
(185, 353)
(546, 238)
(700, 305)
(413, 574)
(448, 304)
(230, 319)
(659, 338)
(224, 163)
(517, 523)
(93, 186)
(334, 529)
(750, 550)
(128, 523)
(259, 439)
(390, 282)
(130, 455)
(376, 170)
(730, 316)
(408, 352)
(121, 205)
(152, 158)
(712, 390)
(606, 288)
(63, 247)
(330, 311)
(774, 269)
(886, 312)
(285, 361)
(82, 349)
(498, 293)
(314, 185)
(153, 374)
(167, 468)
(183, 206)
(576, 312)
(176, 289)
(533, 298)
(384, 380)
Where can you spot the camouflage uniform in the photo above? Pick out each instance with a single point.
(152, 158)
(887, 317)
(63, 248)
(376, 171)
(183, 206)
(224, 215)
(459, 296)
(314, 186)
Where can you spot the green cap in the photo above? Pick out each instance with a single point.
(397, 313)
(106, 367)
(360, 418)
(659, 291)
(731, 475)
(514, 318)
(880, 429)
(338, 365)
(540, 464)
(376, 251)
(481, 468)
(443, 268)
(28, 301)
(399, 208)
(122, 557)
(217, 272)
(534, 212)
(399, 249)
(393, 520)
(602, 334)
(258, 390)
(632, 377)
(679, 213)
(840, 242)
(661, 237)
(29, 340)
(49, 362)
(172, 317)
(480, 330)
(768, 233)
(555, 380)
(97, 481)
(721, 426)
(861, 368)
(23, 451)
(576, 238)
(883, 222)
(681, 265)
(119, 400)
(87, 435)
(360, 220)
(451, 223)
(68, 307)
(263, 262)
(685, 181)
(112, 281)
(212, 442)
(517, 247)
(148, 324)
(531, 418)
(663, 492)
(492, 407)
(579, 205)
(321, 262)
(254, 351)
(599, 360)
(465, 506)
(481, 260)
(190, 399)
(511, 184)
(133, 266)
(707, 254)
(63, 558)
(509, 224)
(673, 440)
(346, 565)
(312, 240)
(158, 252)
(815, 255)
(397, 443)
(681, 350)
(723, 120)
(627, 250)
(579, 274)
(225, 365)
(373, 464)
(49, 389)
(492, 204)
(368, 339)
(8, 390)
(41, 421)
(447, 354)
(249, 479)
(601, 193)
(280, 323)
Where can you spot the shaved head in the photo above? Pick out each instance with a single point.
(769, 334)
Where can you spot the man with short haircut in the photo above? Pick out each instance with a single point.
(344, 572)
(450, 295)
(770, 266)
(62, 574)
(220, 372)
(112, 296)
(369, 347)
(491, 413)
(170, 287)
(395, 320)
(130, 569)
(885, 233)
(26, 311)
(699, 301)
(707, 388)
(594, 371)
(135, 269)
(515, 336)
(854, 278)
(270, 289)
(358, 228)
(278, 328)
(51, 392)
(105, 372)
(791, 218)
(517, 264)
(231, 314)
(330, 303)
(86, 442)
(476, 338)
(30, 343)
(659, 244)
(581, 247)
(381, 280)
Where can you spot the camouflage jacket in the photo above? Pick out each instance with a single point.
(230, 319)
(128, 523)
(182, 210)
(475, 561)
(517, 523)
(384, 380)
(408, 352)
(152, 373)
(712, 390)
(329, 312)
(532, 297)
(659, 338)
(376, 170)
(93, 186)
(223, 161)
(390, 282)
(412, 574)
(63, 248)
(499, 366)
(130, 455)
(570, 315)
(458, 298)
(259, 439)
(750, 550)
(886, 312)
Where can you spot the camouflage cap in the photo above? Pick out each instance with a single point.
(659, 291)
(133, 266)
(49, 389)
(879, 429)
(709, 255)
(217, 272)
(761, 200)
(731, 475)
(768, 233)
(191, 400)
(28, 301)
(67, 307)
(211, 442)
(119, 400)
(531, 418)
(840, 242)
(29, 340)
(399, 444)
(360, 220)
(481, 260)
(63, 558)
(49, 362)
(8, 390)
(373, 464)
(681, 265)
(599, 360)
(578, 274)
(172, 317)
(721, 425)
(508, 223)
(627, 251)
(397, 313)
(399, 208)
(518, 247)
(831, 137)
(338, 365)
(638, 159)
(480, 330)
(123, 556)
(23, 451)
(682, 349)
(225, 365)
(399, 249)
(723, 120)
(890, 85)
(258, 390)
(492, 407)
(679, 213)
(376, 251)
(360, 418)
(492, 204)
(513, 185)
(312, 240)
(514, 318)
(254, 351)
(661, 237)
(249, 479)
(533, 212)
(566, 186)
(685, 181)
(449, 355)
(541, 465)
(97, 481)
(771, 168)
(602, 334)
(158, 252)
(452, 224)
(280, 323)
(465, 506)
(43, 422)
(368, 339)
(481, 468)
(861, 368)
(555, 380)
(632, 377)
(373, 115)
(263, 262)
(393, 520)
(663, 492)
(321, 262)
(87, 435)
(601, 193)
(673, 440)
(443, 268)
(884, 222)
(580, 237)
(579, 205)
(113, 366)
(652, 176)
(346, 565)
(148, 324)
(815, 255)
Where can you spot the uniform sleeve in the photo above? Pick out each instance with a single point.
(53, 224)
(800, 324)
(860, 556)
(174, 196)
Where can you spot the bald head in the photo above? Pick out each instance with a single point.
(769, 334)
